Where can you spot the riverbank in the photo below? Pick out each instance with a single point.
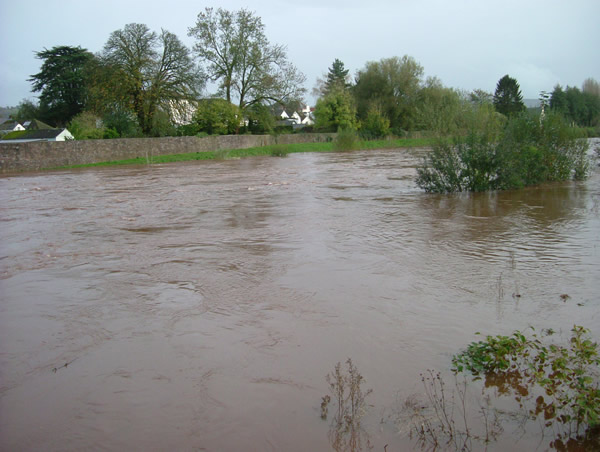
(272, 149)
(36, 156)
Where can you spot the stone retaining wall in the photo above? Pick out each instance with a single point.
(33, 156)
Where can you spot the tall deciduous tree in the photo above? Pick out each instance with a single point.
(480, 97)
(61, 83)
(392, 86)
(440, 109)
(240, 58)
(591, 86)
(149, 72)
(508, 99)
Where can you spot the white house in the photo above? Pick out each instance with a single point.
(10, 126)
(307, 121)
(296, 120)
(296, 117)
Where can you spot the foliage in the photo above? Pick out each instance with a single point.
(391, 85)
(148, 72)
(335, 110)
(26, 111)
(375, 125)
(349, 404)
(280, 150)
(470, 164)
(483, 119)
(567, 376)
(508, 99)
(441, 110)
(479, 97)
(580, 107)
(241, 59)
(591, 86)
(346, 140)
(162, 125)
(61, 83)
(260, 120)
(529, 151)
(87, 126)
(337, 77)
(217, 117)
(123, 122)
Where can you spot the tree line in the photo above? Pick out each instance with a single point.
(148, 83)
(144, 83)
(391, 96)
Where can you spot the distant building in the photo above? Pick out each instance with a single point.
(36, 124)
(296, 120)
(10, 126)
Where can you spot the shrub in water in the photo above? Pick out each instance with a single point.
(346, 140)
(280, 150)
(564, 377)
(531, 150)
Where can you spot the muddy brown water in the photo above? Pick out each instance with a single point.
(199, 306)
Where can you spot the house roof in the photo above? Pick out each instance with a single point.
(36, 124)
(43, 134)
(8, 125)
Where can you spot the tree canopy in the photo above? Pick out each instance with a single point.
(580, 107)
(337, 77)
(240, 58)
(508, 99)
(61, 83)
(335, 111)
(392, 86)
(147, 72)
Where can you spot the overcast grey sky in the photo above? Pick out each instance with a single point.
(467, 44)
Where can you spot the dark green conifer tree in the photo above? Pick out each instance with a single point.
(508, 99)
(336, 77)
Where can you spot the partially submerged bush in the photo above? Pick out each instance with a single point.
(556, 381)
(346, 140)
(280, 150)
(531, 150)
(349, 406)
(554, 385)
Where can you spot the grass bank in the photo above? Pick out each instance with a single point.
(258, 151)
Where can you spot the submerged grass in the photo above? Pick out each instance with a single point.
(271, 150)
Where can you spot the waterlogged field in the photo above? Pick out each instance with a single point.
(200, 306)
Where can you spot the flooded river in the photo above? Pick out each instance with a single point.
(199, 306)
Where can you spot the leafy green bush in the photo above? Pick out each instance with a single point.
(529, 151)
(217, 117)
(86, 126)
(567, 376)
(280, 150)
(188, 130)
(375, 125)
(123, 122)
(346, 140)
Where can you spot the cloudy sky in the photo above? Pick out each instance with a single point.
(468, 44)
